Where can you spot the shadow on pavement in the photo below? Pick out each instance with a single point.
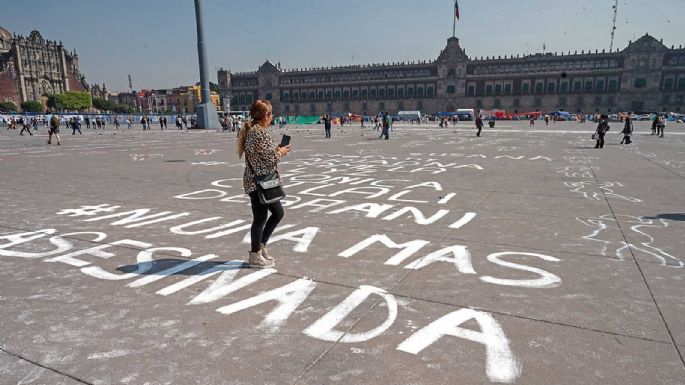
(171, 266)
(671, 217)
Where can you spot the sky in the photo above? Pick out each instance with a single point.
(155, 41)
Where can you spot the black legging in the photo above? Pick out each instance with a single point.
(261, 228)
(600, 140)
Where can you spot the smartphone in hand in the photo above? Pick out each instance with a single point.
(285, 140)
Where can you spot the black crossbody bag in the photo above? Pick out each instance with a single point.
(269, 188)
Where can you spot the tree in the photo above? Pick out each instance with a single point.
(122, 109)
(31, 106)
(70, 101)
(8, 106)
(103, 104)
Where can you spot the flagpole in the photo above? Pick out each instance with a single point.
(454, 25)
(455, 16)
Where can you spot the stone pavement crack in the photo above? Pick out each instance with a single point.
(637, 264)
(19, 356)
(656, 163)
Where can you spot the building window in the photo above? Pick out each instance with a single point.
(400, 93)
(577, 86)
(551, 87)
(563, 87)
(668, 84)
(355, 94)
(364, 93)
(681, 83)
(498, 89)
(419, 91)
(599, 86)
(488, 89)
(410, 92)
(525, 88)
(373, 93)
(451, 73)
(329, 95)
(451, 89)
(507, 89)
(381, 93)
(391, 92)
(471, 90)
(429, 91)
(539, 87)
(303, 96)
(640, 83)
(588, 85)
(337, 95)
(319, 95)
(613, 85)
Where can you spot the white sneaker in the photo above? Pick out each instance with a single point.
(256, 261)
(265, 252)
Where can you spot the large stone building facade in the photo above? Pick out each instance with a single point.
(644, 76)
(32, 67)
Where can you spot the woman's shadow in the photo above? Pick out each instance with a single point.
(173, 266)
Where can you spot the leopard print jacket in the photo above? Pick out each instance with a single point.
(260, 151)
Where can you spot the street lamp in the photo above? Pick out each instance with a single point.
(206, 112)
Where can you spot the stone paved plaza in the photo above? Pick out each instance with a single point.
(524, 256)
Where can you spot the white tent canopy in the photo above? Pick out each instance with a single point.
(409, 114)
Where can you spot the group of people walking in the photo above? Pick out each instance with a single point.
(382, 122)
(658, 125)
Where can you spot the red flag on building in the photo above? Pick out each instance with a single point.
(456, 9)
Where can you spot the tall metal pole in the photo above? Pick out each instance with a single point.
(206, 112)
(613, 26)
(454, 24)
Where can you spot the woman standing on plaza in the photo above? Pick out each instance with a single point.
(602, 128)
(627, 131)
(261, 158)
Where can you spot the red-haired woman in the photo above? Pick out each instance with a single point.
(261, 156)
